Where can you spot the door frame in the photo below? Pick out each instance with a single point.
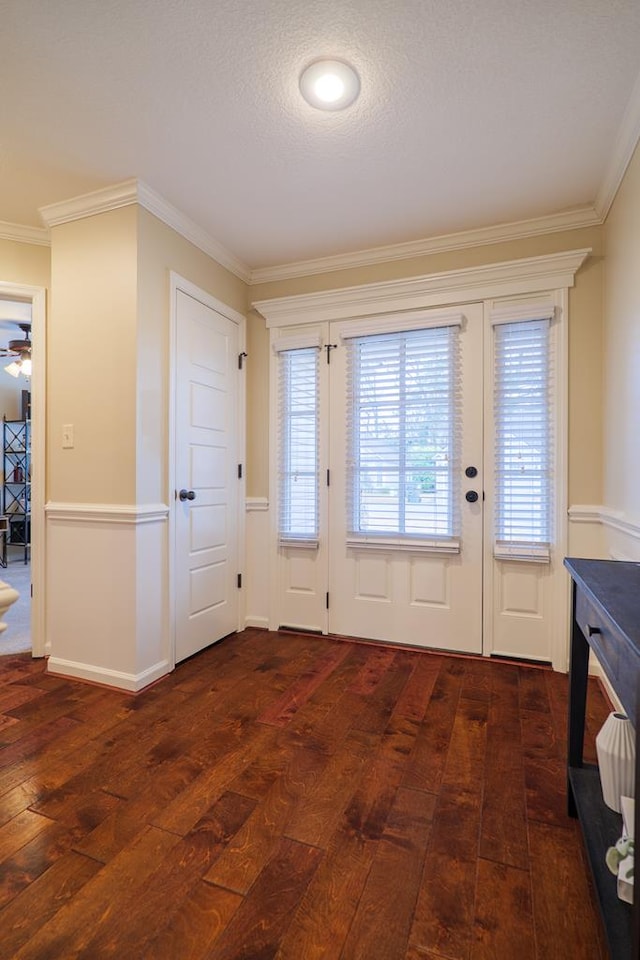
(40, 646)
(177, 284)
(559, 599)
(551, 274)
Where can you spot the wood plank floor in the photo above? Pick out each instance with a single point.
(297, 798)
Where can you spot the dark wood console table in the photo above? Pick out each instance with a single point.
(606, 619)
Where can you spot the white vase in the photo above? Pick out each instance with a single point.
(616, 750)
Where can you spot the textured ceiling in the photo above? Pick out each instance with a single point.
(471, 113)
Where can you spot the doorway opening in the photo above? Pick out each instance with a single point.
(22, 321)
(15, 470)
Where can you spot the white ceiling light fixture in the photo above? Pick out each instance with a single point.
(18, 350)
(22, 366)
(329, 84)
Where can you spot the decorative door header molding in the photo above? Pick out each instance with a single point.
(508, 278)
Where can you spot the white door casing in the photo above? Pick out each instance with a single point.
(525, 604)
(207, 452)
(40, 644)
(525, 610)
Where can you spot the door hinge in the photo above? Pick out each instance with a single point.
(241, 357)
(239, 581)
(327, 600)
(329, 347)
(328, 478)
(239, 471)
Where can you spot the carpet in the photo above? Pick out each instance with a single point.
(17, 637)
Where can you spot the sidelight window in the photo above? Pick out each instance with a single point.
(298, 445)
(523, 385)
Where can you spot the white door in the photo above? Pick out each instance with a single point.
(438, 502)
(206, 475)
(405, 542)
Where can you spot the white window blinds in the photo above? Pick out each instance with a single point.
(523, 379)
(298, 453)
(403, 420)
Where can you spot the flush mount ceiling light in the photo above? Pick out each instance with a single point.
(329, 84)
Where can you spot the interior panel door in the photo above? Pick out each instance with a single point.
(206, 549)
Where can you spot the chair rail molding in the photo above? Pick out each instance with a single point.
(613, 519)
(107, 512)
(256, 504)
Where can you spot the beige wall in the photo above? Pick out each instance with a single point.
(161, 250)
(28, 263)
(92, 318)
(110, 305)
(585, 346)
(622, 348)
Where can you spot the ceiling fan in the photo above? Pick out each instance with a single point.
(19, 349)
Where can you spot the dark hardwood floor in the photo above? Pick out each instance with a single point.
(297, 798)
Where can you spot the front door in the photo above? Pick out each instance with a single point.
(405, 524)
(418, 477)
(206, 429)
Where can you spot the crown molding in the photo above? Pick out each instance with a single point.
(517, 230)
(22, 234)
(89, 204)
(135, 191)
(624, 147)
(186, 227)
(508, 278)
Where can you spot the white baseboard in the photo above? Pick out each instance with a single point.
(110, 678)
(261, 623)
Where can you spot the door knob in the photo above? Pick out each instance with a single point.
(471, 472)
(187, 495)
(471, 496)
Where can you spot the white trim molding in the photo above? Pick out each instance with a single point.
(623, 149)
(616, 520)
(106, 590)
(89, 204)
(256, 504)
(107, 512)
(135, 191)
(481, 236)
(613, 519)
(24, 234)
(131, 682)
(585, 513)
(509, 278)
